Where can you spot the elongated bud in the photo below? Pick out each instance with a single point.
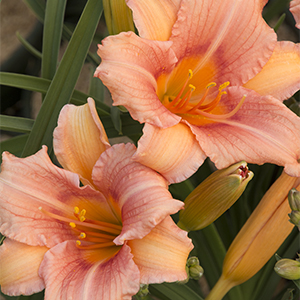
(214, 196)
(118, 16)
(295, 218)
(288, 269)
(262, 234)
(294, 199)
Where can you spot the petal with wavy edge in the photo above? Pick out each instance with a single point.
(69, 275)
(19, 268)
(79, 139)
(174, 152)
(229, 35)
(161, 255)
(140, 195)
(280, 77)
(29, 183)
(154, 19)
(129, 68)
(263, 130)
(295, 10)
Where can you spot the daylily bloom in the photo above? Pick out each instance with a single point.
(208, 78)
(262, 234)
(97, 241)
(295, 10)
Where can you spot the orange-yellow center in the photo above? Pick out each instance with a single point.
(91, 234)
(199, 112)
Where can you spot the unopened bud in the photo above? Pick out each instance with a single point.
(214, 196)
(143, 292)
(295, 218)
(288, 269)
(194, 270)
(118, 16)
(294, 199)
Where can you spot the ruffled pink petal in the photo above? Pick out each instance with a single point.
(33, 182)
(263, 130)
(19, 268)
(154, 19)
(129, 68)
(229, 36)
(280, 77)
(68, 274)
(139, 194)
(161, 255)
(79, 139)
(174, 152)
(295, 10)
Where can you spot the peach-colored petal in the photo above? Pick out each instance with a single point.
(33, 182)
(19, 268)
(129, 68)
(280, 77)
(79, 139)
(161, 255)
(230, 35)
(174, 152)
(154, 19)
(69, 275)
(139, 194)
(263, 130)
(295, 10)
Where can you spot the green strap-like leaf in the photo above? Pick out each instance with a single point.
(29, 47)
(53, 24)
(173, 291)
(41, 85)
(16, 124)
(62, 86)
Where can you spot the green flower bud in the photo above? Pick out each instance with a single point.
(144, 291)
(192, 261)
(294, 199)
(118, 16)
(196, 272)
(295, 218)
(214, 196)
(288, 269)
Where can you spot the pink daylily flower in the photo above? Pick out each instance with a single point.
(295, 10)
(97, 241)
(208, 81)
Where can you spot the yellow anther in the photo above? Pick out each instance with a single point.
(212, 84)
(192, 87)
(76, 210)
(82, 235)
(82, 219)
(224, 85)
(72, 224)
(190, 73)
(78, 243)
(82, 213)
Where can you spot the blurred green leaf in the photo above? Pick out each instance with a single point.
(28, 46)
(53, 24)
(15, 124)
(14, 145)
(38, 8)
(116, 118)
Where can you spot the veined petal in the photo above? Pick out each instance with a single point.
(79, 139)
(295, 10)
(280, 77)
(174, 152)
(139, 194)
(154, 19)
(161, 255)
(26, 184)
(19, 268)
(229, 36)
(69, 274)
(129, 68)
(263, 130)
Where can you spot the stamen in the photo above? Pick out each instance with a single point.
(184, 101)
(72, 224)
(224, 116)
(94, 246)
(82, 235)
(76, 210)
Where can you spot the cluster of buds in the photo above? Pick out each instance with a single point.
(294, 201)
(288, 268)
(214, 196)
(194, 270)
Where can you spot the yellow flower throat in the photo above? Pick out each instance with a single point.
(197, 112)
